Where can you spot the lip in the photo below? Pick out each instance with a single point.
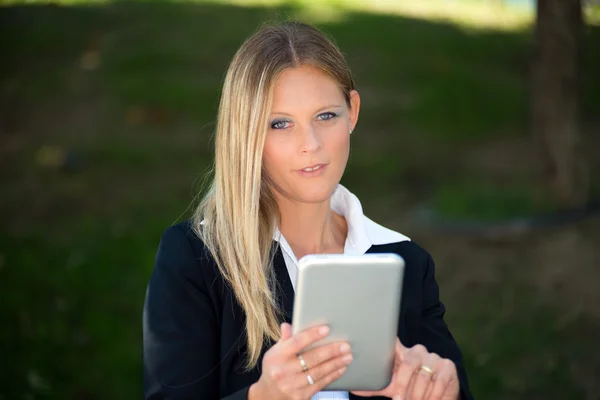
(312, 166)
(312, 173)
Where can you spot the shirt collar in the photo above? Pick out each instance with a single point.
(362, 231)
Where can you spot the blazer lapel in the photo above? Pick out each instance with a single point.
(285, 290)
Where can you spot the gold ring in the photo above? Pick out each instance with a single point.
(310, 379)
(427, 369)
(302, 363)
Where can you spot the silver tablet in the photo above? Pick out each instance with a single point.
(358, 297)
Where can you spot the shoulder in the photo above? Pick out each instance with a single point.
(413, 254)
(182, 252)
(418, 261)
(179, 242)
(379, 234)
(386, 240)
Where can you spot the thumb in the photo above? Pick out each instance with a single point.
(286, 331)
(400, 350)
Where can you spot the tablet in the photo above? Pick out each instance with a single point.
(358, 297)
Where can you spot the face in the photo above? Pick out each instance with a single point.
(308, 140)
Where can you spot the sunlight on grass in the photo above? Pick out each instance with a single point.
(469, 14)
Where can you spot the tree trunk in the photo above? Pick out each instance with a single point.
(555, 99)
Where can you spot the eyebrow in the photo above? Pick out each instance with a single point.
(318, 111)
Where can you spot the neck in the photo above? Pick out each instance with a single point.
(309, 228)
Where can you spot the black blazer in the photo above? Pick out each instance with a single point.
(194, 340)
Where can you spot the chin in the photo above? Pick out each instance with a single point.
(316, 192)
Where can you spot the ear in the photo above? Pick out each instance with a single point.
(354, 108)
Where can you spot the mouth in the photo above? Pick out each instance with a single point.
(313, 168)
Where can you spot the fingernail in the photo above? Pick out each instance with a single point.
(347, 358)
(344, 348)
(397, 397)
(324, 330)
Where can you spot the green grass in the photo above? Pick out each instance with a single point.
(76, 249)
(488, 201)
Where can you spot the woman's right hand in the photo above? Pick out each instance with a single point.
(283, 377)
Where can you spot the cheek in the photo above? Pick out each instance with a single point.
(275, 157)
(339, 145)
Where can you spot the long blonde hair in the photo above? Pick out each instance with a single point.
(238, 215)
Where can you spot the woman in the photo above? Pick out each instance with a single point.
(219, 302)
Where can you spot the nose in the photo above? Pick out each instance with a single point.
(310, 140)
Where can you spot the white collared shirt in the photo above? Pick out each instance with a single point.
(362, 234)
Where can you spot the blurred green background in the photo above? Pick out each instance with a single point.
(106, 116)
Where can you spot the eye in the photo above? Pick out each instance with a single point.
(280, 124)
(326, 116)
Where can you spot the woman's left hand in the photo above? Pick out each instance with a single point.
(419, 375)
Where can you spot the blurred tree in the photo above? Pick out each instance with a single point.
(555, 99)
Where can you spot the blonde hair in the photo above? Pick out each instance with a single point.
(238, 215)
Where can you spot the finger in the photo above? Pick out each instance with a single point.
(399, 352)
(410, 362)
(318, 373)
(399, 346)
(321, 354)
(441, 380)
(326, 368)
(300, 340)
(422, 379)
(437, 388)
(310, 390)
(286, 331)
(416, 384)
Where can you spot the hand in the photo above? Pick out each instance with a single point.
(283, 377)
(412, 380)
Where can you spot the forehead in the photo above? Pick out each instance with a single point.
(304, 87)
